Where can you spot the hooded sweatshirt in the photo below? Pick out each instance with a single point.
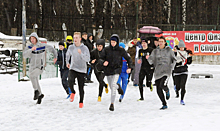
(78, 61)
(163, 60)
(37, 58)
(114, 57)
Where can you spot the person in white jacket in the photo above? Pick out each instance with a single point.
(36, 54)
(180, 72)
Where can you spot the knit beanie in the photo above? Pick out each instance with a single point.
(114, 39)
(61, 43)
(181, 44)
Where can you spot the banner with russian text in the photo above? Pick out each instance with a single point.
(200, 42)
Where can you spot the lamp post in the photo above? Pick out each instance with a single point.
(24, 34)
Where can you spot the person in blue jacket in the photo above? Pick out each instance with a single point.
(123, 77)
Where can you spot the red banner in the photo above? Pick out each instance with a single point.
(200, 42)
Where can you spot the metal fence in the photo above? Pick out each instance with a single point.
(50, 70)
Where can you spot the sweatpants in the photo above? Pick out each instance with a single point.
(149, 75)
(136, 72)
(162, 85)
(123, 78)
(100, 77)
(80, 78)
(64, 76)
(112, 80)
(34, 77)
(180, 81)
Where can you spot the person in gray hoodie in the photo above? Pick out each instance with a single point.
(36, 54)
(79, 55)
(164, 60)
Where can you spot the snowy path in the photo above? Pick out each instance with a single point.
(18, 111)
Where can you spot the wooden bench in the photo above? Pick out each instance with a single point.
(197, 75)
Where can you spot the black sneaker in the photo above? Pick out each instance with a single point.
(120, 100)
(40, 98)
(120, 91)
(141, 99)
(163, 107)
(90, 81)
(111, 108)
(177, 94)
(36, 94)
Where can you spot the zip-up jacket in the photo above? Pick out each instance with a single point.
(114, 57)
(37, 58)
(61, 59)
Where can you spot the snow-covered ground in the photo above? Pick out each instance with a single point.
(18, 111)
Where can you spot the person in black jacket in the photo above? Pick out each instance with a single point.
(90, 45)
(111, 59)
(64, 71)
(84, 38)
(94, 57)
(146, 69)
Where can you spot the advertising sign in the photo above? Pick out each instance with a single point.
(199, 42)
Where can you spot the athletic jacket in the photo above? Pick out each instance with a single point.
(114, 57)
(61, 59)
(181, 64)
(37, 58)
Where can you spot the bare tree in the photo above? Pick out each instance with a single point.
(184, 14)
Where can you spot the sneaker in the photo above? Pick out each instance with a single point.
(68, 96)
(174, 87)
(151, 87)
(72, 97)
(111, 108)
(80, 105)
(106, 88)
(36, 94)
(120, 91)
(120, 100)
(90, 81)
(141, 99)
(135, 84)
(40, 99)
(182, 102)
(177, 94)
(163, 107)
(86, 81)
(168, 94)
(99, 99)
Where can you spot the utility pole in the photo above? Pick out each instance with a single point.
(24, 34)
(137, 19)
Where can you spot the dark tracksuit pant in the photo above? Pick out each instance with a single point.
(180, 81)
(80, 78)
(149, 76)
(89, 72)
(162, 85)
(100, 77)
(64, 76)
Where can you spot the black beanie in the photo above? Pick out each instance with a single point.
(114, 39)
(61, 43)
